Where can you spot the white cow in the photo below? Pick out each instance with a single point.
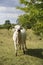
(19, 38)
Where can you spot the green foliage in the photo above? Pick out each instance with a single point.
(38, 28)
(23, 20)
(33, 16)
(7, 24)
(23, 2)
(27, 21)
(1, 27)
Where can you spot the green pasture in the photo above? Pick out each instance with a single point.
(32, 56)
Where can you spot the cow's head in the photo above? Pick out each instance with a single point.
(18, 28)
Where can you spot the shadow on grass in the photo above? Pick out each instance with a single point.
(35, 52)
(1, 63)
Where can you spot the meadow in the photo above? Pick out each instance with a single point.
(33, 55)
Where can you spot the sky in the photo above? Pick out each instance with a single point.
(8, 10)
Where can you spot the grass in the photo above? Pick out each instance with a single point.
(34, 52)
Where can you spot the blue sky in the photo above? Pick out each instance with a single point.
(8, 10)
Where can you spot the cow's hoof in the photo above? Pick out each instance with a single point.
(26, 48)
(16, 54)
(24, 52)
(20, 48)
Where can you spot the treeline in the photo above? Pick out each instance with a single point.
(7, 25)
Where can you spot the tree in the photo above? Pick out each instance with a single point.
(34, 9)
(7, 24)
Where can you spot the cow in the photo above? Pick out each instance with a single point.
(19, 38)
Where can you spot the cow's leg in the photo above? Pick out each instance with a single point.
(15, 48)
(23, 48)
(25, 45)
(20, 46)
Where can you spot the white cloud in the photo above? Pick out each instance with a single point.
(6, 16)
(10, 13)
(10, 10)
(7, 9)
(9, 3)
(2, 8)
